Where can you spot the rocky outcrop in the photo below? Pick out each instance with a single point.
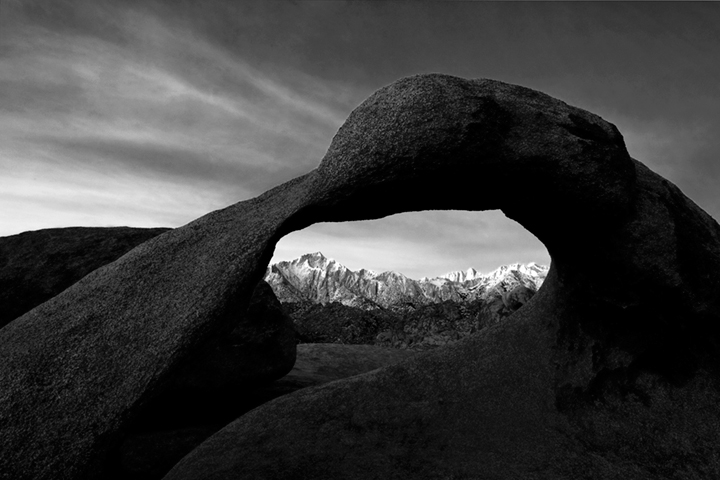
(317, 279)
(36, 266)
(338, 323)
(422, 327)
(609, 374)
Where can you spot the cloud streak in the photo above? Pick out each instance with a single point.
(161, 105)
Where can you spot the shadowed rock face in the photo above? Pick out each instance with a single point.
(226, 380)
(179, 421)
(608, 374)
(319, 363)
(36, 266)
(260, 349)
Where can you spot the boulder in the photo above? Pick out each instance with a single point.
(517, 297)
(499, 304)
(609, 374)
(36, 266)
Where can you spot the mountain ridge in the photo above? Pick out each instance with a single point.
(319, 279)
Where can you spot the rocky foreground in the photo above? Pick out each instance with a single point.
(603, 374)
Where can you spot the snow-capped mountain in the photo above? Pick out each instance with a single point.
(318, 279)
(461, 277)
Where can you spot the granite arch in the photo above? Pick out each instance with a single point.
(76, 368)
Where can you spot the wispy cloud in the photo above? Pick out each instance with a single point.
(155, 104)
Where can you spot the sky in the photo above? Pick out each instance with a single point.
(153, 113)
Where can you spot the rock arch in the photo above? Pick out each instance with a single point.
(518, 400)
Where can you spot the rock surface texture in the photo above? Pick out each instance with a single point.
(320, 363)
(233, 376)
(180, 420)
(609, 374)
(36, 266)
(421, 328)
(259, 349)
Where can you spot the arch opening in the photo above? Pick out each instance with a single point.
(413, 280)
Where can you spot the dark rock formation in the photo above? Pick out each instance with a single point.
(180, 421)
(338, 323)
(232, 376)
(36, 266)
(609, 374)
(215, 389)
(517, 297)
(259, 349)
(149, 455)
(421, 327)
(499, 304)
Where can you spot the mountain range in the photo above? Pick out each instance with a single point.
(318, 279)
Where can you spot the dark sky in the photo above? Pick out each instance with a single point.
(154, 113)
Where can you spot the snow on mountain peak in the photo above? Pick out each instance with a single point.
(314, 260)
(315, 278)
(460, 276)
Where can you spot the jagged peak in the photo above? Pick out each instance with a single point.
(461, 276)
(521, 267)
(317, 260)
(392, 274)
(312, 256)
(367, 273)
(323, 280)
